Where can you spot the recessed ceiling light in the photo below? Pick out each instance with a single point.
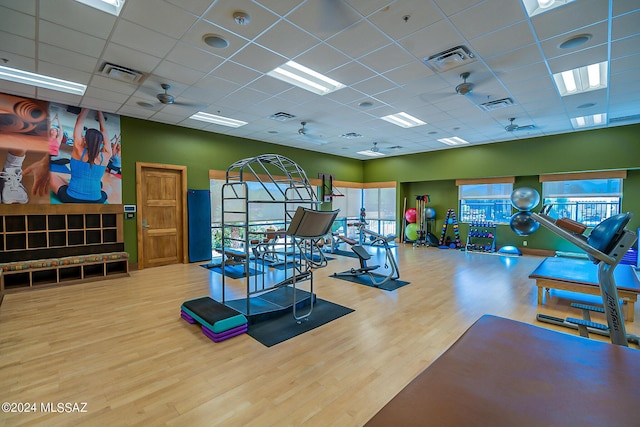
(110, 6)
(589, 121)
(305, 78)
(575, 41)
(454, 140)
(582, 79)
(403, 120)
(219, 120)
(433, 132)
(365, 104)
(215, 40)
(587, 105)
(371, 153)
(144, 104)
(536, 7)
(40, 80)
(272, 131)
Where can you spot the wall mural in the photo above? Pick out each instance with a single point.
(53, 153)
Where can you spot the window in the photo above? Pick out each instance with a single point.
(588, 201)
(485, 200)
(380, 209)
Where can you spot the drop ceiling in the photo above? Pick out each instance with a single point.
(377, 48)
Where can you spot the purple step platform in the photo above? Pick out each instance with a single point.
(186, 317)
(230, 333)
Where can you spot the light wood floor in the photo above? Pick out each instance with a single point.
(121, 347)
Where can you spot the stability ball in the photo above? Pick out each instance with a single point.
(410, 215)
(522, 224)
(429, 213)
(525, 198)
(411, 231)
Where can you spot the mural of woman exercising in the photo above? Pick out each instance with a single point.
(89, 158)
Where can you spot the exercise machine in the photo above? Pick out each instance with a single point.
(605, 246)
(364, 257)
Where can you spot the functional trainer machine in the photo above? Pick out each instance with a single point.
(364, 257)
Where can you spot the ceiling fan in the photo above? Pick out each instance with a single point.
(511, 127)
(314, 139)
(167, 99)
(464, 88)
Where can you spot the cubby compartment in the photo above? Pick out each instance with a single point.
(36, 222)
(35, 238)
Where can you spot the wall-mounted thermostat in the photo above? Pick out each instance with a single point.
(130, 208)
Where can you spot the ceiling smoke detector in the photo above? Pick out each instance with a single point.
(241, 18)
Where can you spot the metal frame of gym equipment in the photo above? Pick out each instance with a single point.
(363, 256)
(281, 182)
(619, 243)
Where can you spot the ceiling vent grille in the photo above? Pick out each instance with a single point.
(497, 104)
(450, 58)
(121, 73)
(281, 116)
(634, 118)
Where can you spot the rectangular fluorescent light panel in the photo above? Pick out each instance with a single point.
(403, 120)
(454, 140)
(589, 121)
(536, 7)
(371, 153)
(110, 6)
(582, 79)
(305, 78)
(219, 120)
(40, 80)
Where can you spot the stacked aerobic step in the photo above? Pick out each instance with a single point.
(218, 321)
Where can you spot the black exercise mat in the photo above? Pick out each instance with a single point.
(276, 330)
(364, 279)
(232, 271)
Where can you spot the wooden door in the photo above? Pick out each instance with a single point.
(161, 192)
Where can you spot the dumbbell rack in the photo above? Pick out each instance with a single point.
(481, 237)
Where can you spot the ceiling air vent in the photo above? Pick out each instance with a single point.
(121, 73)
(281, 116)
(450, 58)
(634, 118)
(497, 104)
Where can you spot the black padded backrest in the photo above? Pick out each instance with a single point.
(307, 223)
(361, 252)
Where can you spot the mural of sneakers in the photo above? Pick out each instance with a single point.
(11, 188)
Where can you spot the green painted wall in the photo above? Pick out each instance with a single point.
(434, 173)
(200, 151)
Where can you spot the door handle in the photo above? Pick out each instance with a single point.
(144, 224)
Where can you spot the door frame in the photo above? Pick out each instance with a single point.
(183, 189)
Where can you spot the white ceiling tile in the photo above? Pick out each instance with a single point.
(17, 23)
(569, 17)
(515, 60)
(481, 18)
(17, 45)
(64, 57)
(432, 39)
(626, 63)
(269, 85)
(374, 85)
(258, 58)
(503, 40)
(100, 104)
(625, 25)
(130, 58)
(77, 16)
(237, 73)
(418, 13)
(351, 73)
(367, 7)
(359, 39)
(17, 61)
(624, 6)
(598, 34)
(24, 6)
(17, 89)
(281, 7)
(166, 18)
(64, 73)
(387, 58)
(222, 14)
(451, 7)
(112, 85)
(579, 59)
(408, 73)
(287, 40)
(139, 38)
(203, 28)
(70, 39)
(195, 58)
(324, 19)
(179, 73)
(197, 7)
(322, 58)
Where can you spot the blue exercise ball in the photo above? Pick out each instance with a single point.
(429, 213)
(525, 198)
(522, 224)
